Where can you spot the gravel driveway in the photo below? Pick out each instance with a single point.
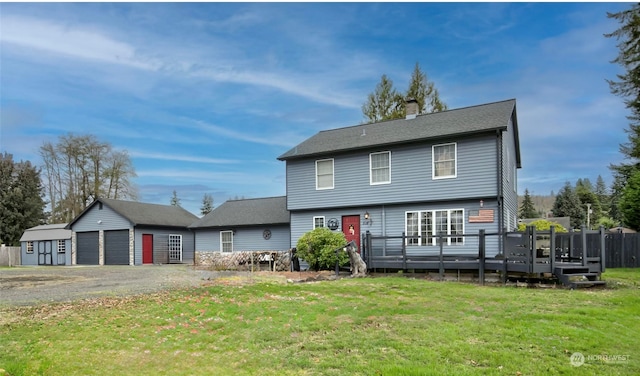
(23, 286)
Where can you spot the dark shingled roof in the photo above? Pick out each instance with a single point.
(140, 213)
(468, 120)
(256, 211)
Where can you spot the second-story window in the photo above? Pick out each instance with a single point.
(380, 167)
(324, 174)
(444, 161)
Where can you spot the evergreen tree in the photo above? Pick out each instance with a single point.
(567, 204)
(627, 86)
(603, 195)
(629, 202)
(386, 103)
(207, 204)
(527, 210)
(584, 191)
(175, 201)
(21, 199)
(424, 92)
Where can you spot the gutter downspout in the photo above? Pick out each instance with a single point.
(500, 189)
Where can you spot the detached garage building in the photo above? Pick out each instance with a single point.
(116, 232)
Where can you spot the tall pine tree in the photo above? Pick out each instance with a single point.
(21, 199)
(386, 103)
(627, 86)
(567, 204)
(527, 210)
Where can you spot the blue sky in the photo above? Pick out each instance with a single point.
(206, 96)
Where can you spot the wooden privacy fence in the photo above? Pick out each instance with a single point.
(623, 250)
(10, 256)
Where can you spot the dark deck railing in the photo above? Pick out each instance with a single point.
(529, 252)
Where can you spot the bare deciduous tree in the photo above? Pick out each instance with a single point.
(79, 169)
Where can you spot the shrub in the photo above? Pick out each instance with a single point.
(317, 247)
(543, 225)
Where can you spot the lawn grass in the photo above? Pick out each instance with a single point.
(370, 326)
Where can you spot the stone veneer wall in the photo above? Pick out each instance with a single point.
(243, 260)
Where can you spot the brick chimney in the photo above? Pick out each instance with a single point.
(411, 108)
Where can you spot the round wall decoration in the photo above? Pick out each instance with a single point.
(333, 224)
(266, 234)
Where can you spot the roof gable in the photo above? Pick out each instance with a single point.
(463, 121)
(139, 213)
(256, 211)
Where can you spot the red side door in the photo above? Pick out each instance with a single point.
(147, 248)
(351, 228)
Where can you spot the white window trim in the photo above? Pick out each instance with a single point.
(30, 247)
(313, 224)
(62, 246)
(434, 233)
(176, 237)
(333, 174)
(371, 182)
(455, 161)
(221, 242)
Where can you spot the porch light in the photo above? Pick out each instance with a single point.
(366, 215)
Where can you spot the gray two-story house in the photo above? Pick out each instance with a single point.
(451, 172)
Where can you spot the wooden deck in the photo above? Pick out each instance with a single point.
(574, 259)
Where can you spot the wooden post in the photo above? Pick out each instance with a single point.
(441, 256)
(583, 235)
(369, 250)
(534, 249)
(504, 258)
(404, 254)
(552, 247)
(481, 256)
(602, 249)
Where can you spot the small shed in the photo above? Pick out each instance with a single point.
(118, 232)
(46, 245)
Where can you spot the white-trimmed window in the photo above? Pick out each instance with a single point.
(324, 174)
(444, 161)
(226, 241)
(29, 247)
(62, 246)
(380, 168)
(424, 226)
(318, 222)
(175, 247)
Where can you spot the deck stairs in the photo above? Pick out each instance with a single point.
(575, 277)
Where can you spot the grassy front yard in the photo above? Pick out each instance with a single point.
(370, 326)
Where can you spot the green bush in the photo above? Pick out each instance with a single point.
(317, 247)
(543, 225)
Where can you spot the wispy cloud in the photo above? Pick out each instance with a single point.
(70, 41)
(180, 158)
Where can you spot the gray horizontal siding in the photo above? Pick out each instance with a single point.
(160, 243)
(246, 239)
(389, 220)
(110, 220)
(57, 258)
(411, 177)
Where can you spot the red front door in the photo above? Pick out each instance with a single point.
(351, 228)
(147, 249)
